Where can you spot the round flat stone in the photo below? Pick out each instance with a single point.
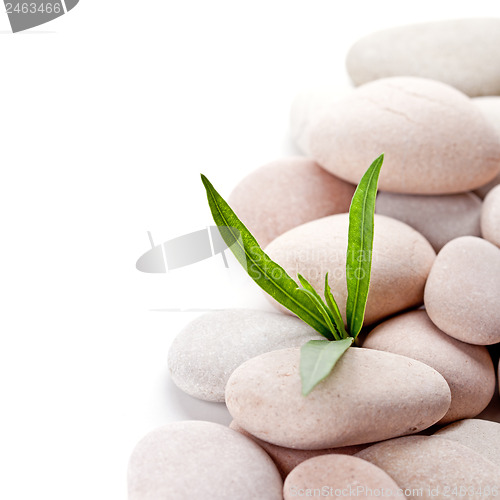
(431, 467)
(285, 194)
(462, 292)
(369, 396)
(467, 368)
(338, 476)
(481, 436)
(206, 352)
(194, 459)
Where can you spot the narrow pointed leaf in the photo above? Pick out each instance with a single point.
(317, 359)
(334, 309)
(360, 246)
(271, 277)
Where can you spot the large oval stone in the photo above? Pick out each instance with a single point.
(430, 467)
(194, 459)
(482, 436)
(462, 293)
(338, 476)
(401, 260)
(490, 217)
(435, 140)
(285, 194)
(462, 52)
(467, 368)
(369, 396)
(438, 218)
(208, 349)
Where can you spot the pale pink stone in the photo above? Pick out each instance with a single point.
(490, 217)
(467, 368)
(285, 194)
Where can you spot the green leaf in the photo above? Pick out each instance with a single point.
(271, 277)
(360, 246)
(334, 309)
(317, 359)
(321, 307)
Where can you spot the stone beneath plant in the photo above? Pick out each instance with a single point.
(435, 468)
(338, 476)
(285, 194)
(435, 140)
(462, 53)
(306, 108)
(402, 258)
(467, 368)
(490, 217)
(462, 293)
(201, 460)
(439, 218)
(481, 436)
(286, 459)
(369, 396)
(206, 352)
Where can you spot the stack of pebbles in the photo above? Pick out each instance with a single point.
(396, 416)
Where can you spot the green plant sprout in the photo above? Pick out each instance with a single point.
(317, 357)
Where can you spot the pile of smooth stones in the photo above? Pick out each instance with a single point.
(412, 411)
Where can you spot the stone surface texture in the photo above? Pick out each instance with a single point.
(339, 476)
(490, 217)
(285, 194)
(430, 467)
(194, 459)
(439, 218)
(369, 396)
(467, 368)
(461, 52)
(401, 260)
(435, 140)
(481, 436)
(206, 352)
(462, 292)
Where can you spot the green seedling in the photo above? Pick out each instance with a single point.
(317, 357)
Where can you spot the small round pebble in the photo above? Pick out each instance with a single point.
(285, 194)
(286, 459)
(369, 396)
(490, 217)
(206, 352)
(460, 52)
(338, 476)
(430, 467)
(467, 368)
(193, 459)
(481, 436)
(462, 293)
(435, 140)
(401, 261)
(439, 218)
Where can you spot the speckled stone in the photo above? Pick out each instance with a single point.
(482, 436)
(460, 52)
(369, 396)
(206, 352)
(338, 476)
(433, 467)
(286, 459)
(467, 368)
(462, 293)
(439, 218)
(194, 459)
(307, 106)
(435, 140)
(490, 217)
(401, 260)
(285, 194)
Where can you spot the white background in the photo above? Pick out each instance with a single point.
(107, 116)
